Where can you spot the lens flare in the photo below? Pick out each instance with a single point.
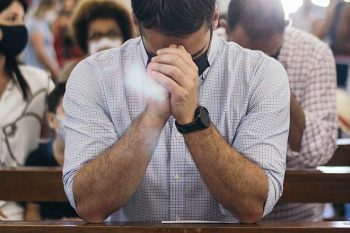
(139, 82)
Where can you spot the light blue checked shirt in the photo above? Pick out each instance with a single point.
(246, 93)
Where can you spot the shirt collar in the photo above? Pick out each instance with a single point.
(214, 46)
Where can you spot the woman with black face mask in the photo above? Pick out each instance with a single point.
(23, 92)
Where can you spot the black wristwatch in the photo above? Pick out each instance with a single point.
(201, 122)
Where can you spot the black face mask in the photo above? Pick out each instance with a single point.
(202, 61)
(14, 40)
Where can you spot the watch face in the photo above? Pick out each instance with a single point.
(204, 116)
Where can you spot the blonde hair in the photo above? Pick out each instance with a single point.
(43, 6)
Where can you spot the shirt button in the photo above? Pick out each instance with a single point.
(178, 218)
(177, 177)
(178, 135)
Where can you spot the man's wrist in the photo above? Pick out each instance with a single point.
(201, 122)
(149, 120)
(188, 119)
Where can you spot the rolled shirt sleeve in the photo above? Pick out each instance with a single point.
(319, 104)
(263, 133)
(88, 127)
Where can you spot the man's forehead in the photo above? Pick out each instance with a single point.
(156, 40)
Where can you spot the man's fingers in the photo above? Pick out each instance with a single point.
(2, 216)
(183, 54)
(170, 59)
(169, 84)
(172, 72)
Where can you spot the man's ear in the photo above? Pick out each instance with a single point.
(216, 17)
(134, 20)
(223, 23)
(136, 23)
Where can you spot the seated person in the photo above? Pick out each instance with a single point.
(176, 124)
(51, 154)
(343, 108)
(23, 92)
(311, 70)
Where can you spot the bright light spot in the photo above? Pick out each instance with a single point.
(156, 91)
(334, 170)
(138, 83)
(291, 6)
(322, 3)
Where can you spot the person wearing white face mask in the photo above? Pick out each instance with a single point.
(103, 44)
(101, 24)
(40, 51)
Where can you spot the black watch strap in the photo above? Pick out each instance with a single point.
(201, 122)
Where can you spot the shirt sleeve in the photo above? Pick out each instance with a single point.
(88, 127)
(319, 105)
(35, 26)
(263, 133)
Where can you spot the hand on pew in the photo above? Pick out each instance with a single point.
(2, 216)
(32, 213)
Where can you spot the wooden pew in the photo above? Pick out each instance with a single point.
(327, 186)
(31, 184)
(341, 156)
(45, 184)
(79, 227)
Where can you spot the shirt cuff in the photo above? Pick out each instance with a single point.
(272, 199)
(68, 187)
(273, 196)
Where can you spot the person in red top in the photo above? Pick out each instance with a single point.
(65, 47)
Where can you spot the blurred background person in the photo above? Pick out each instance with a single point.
(65, 47)
(308, 16)
(40, 51)
(309, 62)
(335, 29)
(51, 154)
(23, 92)
(101, 24)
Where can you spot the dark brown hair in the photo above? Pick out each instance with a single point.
(174, 17)
(259, 18)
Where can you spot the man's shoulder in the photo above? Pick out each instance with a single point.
(250, 67)
(233, 54)
(297, 39)
(250, 61)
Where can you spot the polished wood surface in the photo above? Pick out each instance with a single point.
(45, 184)
(341, 156)
(316, 187)
(75, 227)
(31, 184)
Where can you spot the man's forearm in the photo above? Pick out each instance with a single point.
(297, 125)
(105, 184)
(237, 183)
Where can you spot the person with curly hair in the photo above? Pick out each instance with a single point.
(101, 24)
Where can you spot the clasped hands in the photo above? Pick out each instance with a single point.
(174, 69)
